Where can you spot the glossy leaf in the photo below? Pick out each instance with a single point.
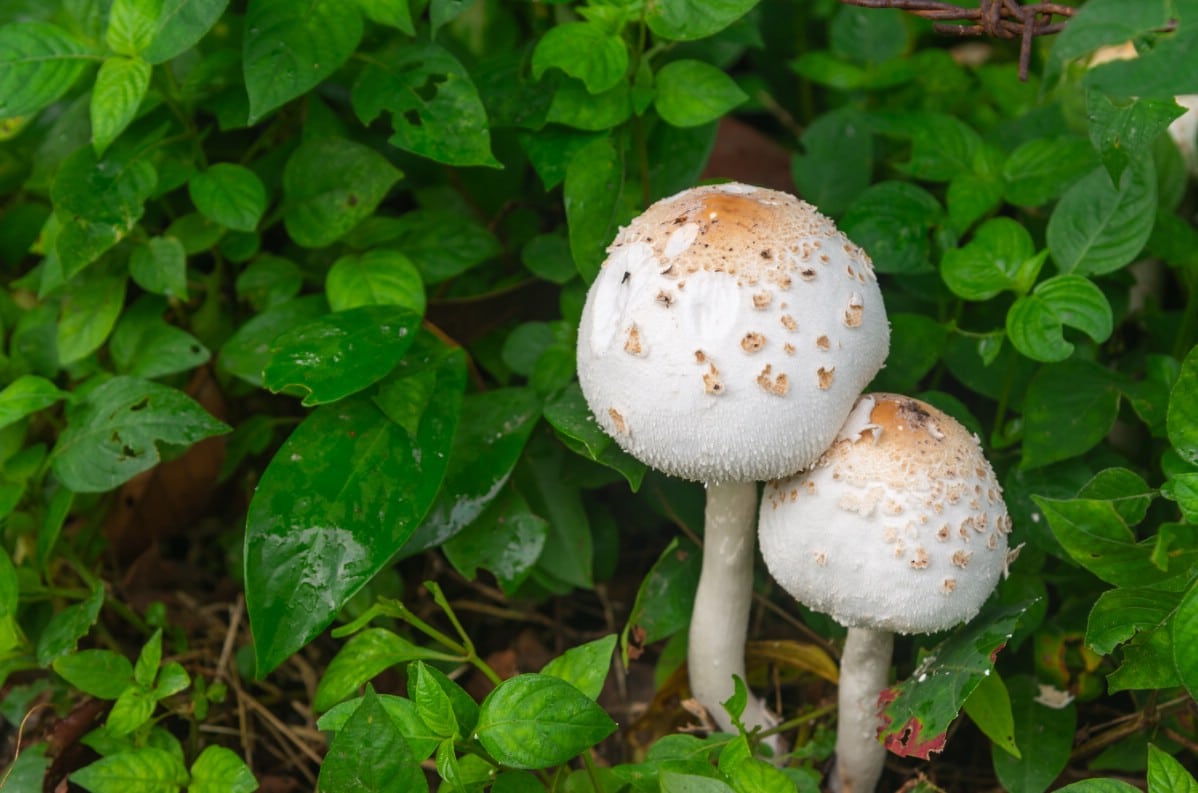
(583, 50)
(690, 93)
(1120, 613)
(131, 25)
(594, 180)
(1000, 256)
(340, 497)
(1185, 654)
(1182, 418)
(989, 707)
(331, 357)
(375, 278)
(289, 48)
(120, 87)
(507, 539)
(26, 395)
(229, 194)
(538, 721)
(1167, 775)
(100, 673)
(585, 667)
(370, 755)
(1098, 227)
(1036, 322)
(1042, 168)
(220, 770)
(892, 221)
(684, 20)
(568, 413)
(402, 713)
(364, 656)
(1069, 408)
(247, 352)
(181, 24)
(145, 345)
(1109, 22)
(159, 265)
(1124, 132)
(67, 627)
(113, 433)
(1044, 736)
(837, 160)
(441, 244)
(145, 769)
(465, 709)
(665, 597)
(39, 62)
(918, 711)
(394, 13)
(432, 702)
(330, 185)
(1103, 785)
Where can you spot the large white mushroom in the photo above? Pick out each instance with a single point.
(725, 340)
(899, 528)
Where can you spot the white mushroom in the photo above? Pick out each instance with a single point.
(732, 378)
(899, 528)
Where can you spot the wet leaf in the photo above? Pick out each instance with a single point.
(370, 755)
(375, 278)
(506, 540)
(247, 351)
(665, 597)
(365, 655)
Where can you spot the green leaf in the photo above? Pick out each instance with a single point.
(144, 770)
(1185, 654)
(1127, 131)
(229, 194)
(159, 265)
(145, 345)
(585, 667)
(573, 106)
(113, 433)
(1147, 662)
(364, 656)
(89, 311)
(269, 281)
(132, 709)
(1182, 416)
(432, 702)
(435, 108)
(247, 352)
(465, 709)
(132, 25)
(340, 497)
(440, 243)
(918, 711)
(375, 278)
(892, 221)
(181, 25)
(1042, 168)
(290, 47)
(1167, 775)
(989, 707)
(1096, 536)
(67, 627)
(38, 64)
(1102, 22)
(506, 538)
(747, 773)
(868, 35)
(402, 713)
(547, 256)
(1119, 614)
(1098, 786)
(100, 673)
(686, 20)
(690, 93)
(1044, 736)
(1183, 488)
(1036, 322)
(1000, 256)
(916, 345)
(837, 160)
(331, 357)
(942, 146)
(538, 721)
(329, 186)
(220, 770)
(27, 395)
(676, 782)
(665, 597)
(570, 416)
(583, 50)
(370, 755)
(1069, 409)
(393, 13)
(120, 86)
(594, 182)
(1162, 72)
(1097, 227)
(11, 635)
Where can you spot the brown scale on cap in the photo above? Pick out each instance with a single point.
(700, 356)
(712, 383)
(825, 374)
(961, 558)
(617, 419)
(852, 314)
(762, 300)
(778, 386)
(752, 342)
(920, 560)
(788, 348)
(788, 322)
(824, 343)
(632, 344)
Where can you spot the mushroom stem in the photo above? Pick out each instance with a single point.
(719, 621)
(864, 672)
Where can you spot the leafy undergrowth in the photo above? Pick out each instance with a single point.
(299, 489)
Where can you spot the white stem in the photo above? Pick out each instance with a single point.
(719, 622)
(864, 673)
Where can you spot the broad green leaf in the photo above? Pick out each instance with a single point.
(331, 357)
(1185, 654)
(402, 713)
(340, 497)
(364, 656)
(665, 597)
(585, 667)
(1097, 227)
(442, 12)
(917, 712)
(824, 68)
(1183, 488)
(114, 432)
(442, 244)
(269, 281)
(220, 770)
(247, 352)
(393, 13)
(145, 345)
(551, 150)
(329, 186)
(690, 93)
(837, 160)
(1126, 131)
(1125, 489)
(132, 25)
(38, 64)
(11, 635)
(67, 627)
(547, 256)
(435, 108)
(569, 554)
(196, 233)
(573, 106)
(747, 773)
(583, 50)
(144, 770)
(868, 35)
(538, 721)
(120, 86)
(465, 709)
(181, 24)
(594, 183)
(290, 47)
(570, 416)
(916, 345)
(1167, 775)
(989, 707)
(1099, 786)
(370, 755)
(100, 673)
(1043, 168)
(1120, 613)
(1162, 72)
(432, 702)
(942, 146)
(892, 221)
(26, 395)
(1182, 418)
(1102, 22)
(1044, 736)
(1000, 256)
(1148, 662)
(678, 782)
(228, 194)
(376, 278)
(685, 20)
(87, 315)
(506, 539)
(28, 770)
(159, 265)
(1036, 322)
(132, 709)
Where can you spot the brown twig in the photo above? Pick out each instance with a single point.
(1004, 19)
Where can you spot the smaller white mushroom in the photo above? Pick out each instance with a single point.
(887, 534)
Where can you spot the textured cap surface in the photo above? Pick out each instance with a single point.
(728, 334)
(900, 526)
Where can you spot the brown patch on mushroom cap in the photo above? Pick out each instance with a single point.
(712, 383)
(825, 374)
(823, 343)
(617, 419)
(762, 300)
(788, 322)
(855, 310)
(632, 344)
(778, 386)
(752, 342)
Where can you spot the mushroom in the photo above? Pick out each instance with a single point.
(899, 528)
(725, 364)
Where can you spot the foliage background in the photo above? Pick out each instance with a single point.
(290, 309)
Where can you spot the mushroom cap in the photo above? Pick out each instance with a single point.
(728, 333)
(900, 526)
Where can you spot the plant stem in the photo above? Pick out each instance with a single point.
(864, 672)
